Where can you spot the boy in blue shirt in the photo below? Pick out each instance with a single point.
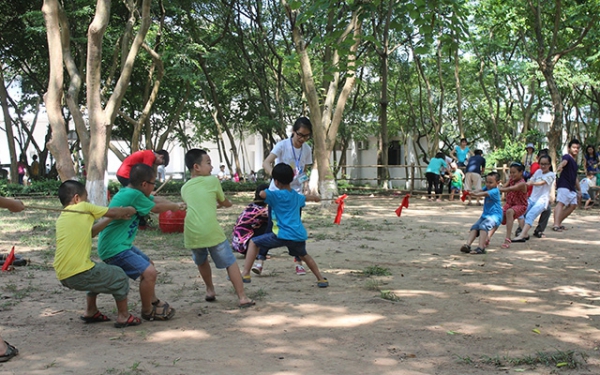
(490, 218)
(288, 230)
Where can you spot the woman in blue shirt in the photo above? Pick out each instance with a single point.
(433, 175)
(461, 153)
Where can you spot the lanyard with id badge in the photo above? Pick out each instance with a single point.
(298, 170)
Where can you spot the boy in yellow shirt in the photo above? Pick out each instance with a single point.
(72, 263)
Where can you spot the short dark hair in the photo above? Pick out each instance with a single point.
(542, 152)
(165, 155)
(574, 141)
(464, 139)
(283, 173)
(302, 122)
(478, 152)
(257, 199)
(440, 155)
(496, 175)
(140, 173)
(194, 156)
(68, 189)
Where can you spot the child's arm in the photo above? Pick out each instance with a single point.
(536, 183)
(312, 198)
(166, 205)
(160, 199)
(13, 205)
(100, 225)
(521, 186)
(479, 193)
(120, 212)
(224, 203)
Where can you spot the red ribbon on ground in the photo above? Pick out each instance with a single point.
(9, 260)
(464, 195)
(340, 210)
(403, 204)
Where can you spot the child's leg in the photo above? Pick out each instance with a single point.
(510, 218)
(122, 311)
(483, 237)
(524, 232)
(472, 236)
(147, 284)
(90, 305)
(250, 257)
(236, 279)
(312, 265)
(206, 273)
(490, 234)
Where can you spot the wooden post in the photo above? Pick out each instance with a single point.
(412, 177)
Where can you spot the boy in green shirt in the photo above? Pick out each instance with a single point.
(202, 233)
(115, 244)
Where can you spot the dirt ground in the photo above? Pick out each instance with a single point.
(437, 312)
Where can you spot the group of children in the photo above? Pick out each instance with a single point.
(526, 200)
(202, 196)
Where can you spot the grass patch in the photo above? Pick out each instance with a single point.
(373, 284)
(376, 271)
(389, 295)
(258, 295)
(568, 359)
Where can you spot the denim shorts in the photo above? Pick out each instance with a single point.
(585, 196)
(133, 261)
(270, 241)
(221, 254)
(484, 224)
(102, 278)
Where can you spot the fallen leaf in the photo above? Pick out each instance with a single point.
(451, 333)
(535, 330)
(562, 364)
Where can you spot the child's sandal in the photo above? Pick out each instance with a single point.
(478, 251)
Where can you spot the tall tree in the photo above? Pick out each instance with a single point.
(343, 36)
(551, 32)
(100, 115)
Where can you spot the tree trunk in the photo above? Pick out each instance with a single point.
(325, 129)
(555, 132)
(9, 129)
(58, 144)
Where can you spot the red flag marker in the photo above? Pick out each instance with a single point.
(340, 210)
(464, 195)
(404, 204)
(9, 260)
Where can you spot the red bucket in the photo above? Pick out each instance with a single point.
(171, 221)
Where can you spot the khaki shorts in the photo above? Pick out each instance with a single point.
(472, 181)
(102, 278)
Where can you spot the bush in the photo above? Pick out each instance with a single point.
(174, 187)
(40, 187)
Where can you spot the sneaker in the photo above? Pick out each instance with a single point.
(300, 271)
(323, 283)
(247, 279)
(257, 268)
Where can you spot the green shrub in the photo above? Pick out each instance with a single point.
(41, 187)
